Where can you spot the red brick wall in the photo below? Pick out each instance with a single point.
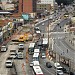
(20, 6)
(27, 6)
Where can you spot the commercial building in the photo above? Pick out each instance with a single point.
(51, 2)
(45, 6)
(26, 6)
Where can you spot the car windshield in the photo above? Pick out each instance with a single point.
(43, 54)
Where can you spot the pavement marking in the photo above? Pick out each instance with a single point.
(66, 49)
(47, 70)
(62, 52)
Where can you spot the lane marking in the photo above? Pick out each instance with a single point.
(67, 56)
(47, 70)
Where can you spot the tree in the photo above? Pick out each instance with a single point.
(65, 2)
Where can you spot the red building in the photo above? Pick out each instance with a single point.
(26, 6)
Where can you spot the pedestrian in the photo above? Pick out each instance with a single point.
(63, 52)
(43, 35)
(67, 50)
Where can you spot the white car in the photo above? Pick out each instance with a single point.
(3, 48)
(9, 62)
(43, 24)
(58, 66)
(60, 72)
(21, 46)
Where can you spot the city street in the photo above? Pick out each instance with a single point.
(56, 42)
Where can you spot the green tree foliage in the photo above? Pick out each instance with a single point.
(65, 2)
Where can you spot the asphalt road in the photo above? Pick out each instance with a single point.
(61, 36)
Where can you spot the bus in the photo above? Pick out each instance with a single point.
(45, 43)
(36, 50)
(31, 48)
(36, 57)
(37, 70)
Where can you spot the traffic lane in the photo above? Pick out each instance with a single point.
(60, 49)
(20, 68)
(46, 71)
(48, 20)
(29, 70)
(3, 57)
(65, 52)
(62, 23)
(58, 35)
(43, 27)
(70, 50)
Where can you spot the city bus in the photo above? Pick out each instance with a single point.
(31, 48)
(36, 57)
(37, 70)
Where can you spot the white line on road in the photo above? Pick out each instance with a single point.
(66, 48)
(62, 52)
(47, 70)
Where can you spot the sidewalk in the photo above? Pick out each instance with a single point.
(69, 43)
(8, 39)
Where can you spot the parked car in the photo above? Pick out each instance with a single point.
(60, 72)
(65, 70)
(21, 46)
(58, 66)
(3, 48)
(48, 64)
(9, 62)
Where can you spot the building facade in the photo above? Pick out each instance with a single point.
(27, 6)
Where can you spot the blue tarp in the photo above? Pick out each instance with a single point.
(25, 16)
